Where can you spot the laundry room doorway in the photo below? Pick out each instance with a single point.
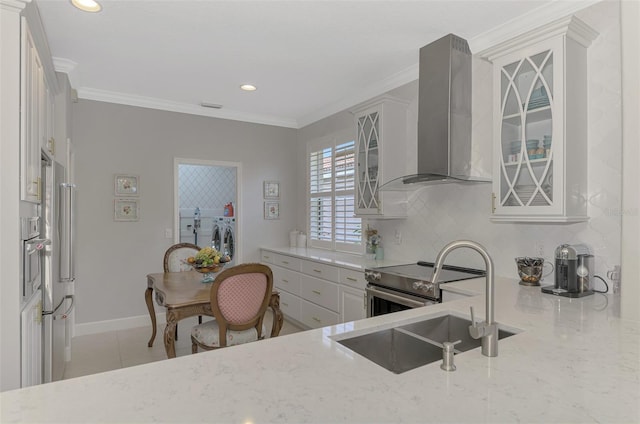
(206, 204)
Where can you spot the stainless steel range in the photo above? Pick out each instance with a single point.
(399, 287)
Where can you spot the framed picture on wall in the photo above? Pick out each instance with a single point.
(126, 210)
(271, 210)
(271, 190)
(127, 185)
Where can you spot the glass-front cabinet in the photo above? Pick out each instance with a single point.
(540, 129)
(381, 139)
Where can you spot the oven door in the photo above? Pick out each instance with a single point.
(381, 301)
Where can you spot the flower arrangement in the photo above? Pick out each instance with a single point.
(373, 239)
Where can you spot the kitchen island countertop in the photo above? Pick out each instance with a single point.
(573, 360)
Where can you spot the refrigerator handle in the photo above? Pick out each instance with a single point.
(68, 232)
(65, 315)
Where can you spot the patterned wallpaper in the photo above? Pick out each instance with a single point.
(440, 214)
(206, 187)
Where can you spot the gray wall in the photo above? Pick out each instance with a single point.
(115, 257)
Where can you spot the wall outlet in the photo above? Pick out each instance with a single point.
(168, 233)
(538, 249)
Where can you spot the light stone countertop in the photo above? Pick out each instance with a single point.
(573, 361)
(341, 259)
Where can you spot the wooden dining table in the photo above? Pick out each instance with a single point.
(184, 295)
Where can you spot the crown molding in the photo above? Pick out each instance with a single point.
(534, 23)
(374, 90)
(14, 5)
(154, 103)
(69, 67)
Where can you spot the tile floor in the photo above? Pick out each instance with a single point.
(102, 352)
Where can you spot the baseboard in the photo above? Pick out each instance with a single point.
(117, 324)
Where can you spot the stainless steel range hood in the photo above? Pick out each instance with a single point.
(444, 117)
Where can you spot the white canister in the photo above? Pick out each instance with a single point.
(302, 240)
(293, 235)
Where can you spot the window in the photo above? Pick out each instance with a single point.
(331, 196)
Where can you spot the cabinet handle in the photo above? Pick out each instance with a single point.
(285, 304)
(493, 203)
(266, 257)
(285, 262)
(285, 281)
(316, 319)
(318, 271)
(316, 292)
(52, 146)
(355, 280)
(365, 301)
(37, 183)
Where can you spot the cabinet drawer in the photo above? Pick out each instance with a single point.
(353, 278)
(320, 292)
(286, 279)
(315, 316)
(290, 305)
(326, 272)
(266, 257)
(285, 261)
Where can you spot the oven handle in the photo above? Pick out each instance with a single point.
(395, 298)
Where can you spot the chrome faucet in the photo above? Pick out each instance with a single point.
(487, 330)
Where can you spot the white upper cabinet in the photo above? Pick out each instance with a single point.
(31, 86)
(540, 124)
(381, 146)
(36, 116)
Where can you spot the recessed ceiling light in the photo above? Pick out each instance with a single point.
(87, 5)
(248, 87)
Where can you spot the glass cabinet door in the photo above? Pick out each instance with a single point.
(526, 142)
(368, 163)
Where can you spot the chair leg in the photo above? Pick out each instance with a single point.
(176, 335)
(194, 348)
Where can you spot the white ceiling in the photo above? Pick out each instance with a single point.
(309, 59)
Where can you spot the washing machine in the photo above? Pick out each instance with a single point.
(217, 233)
(229, 239)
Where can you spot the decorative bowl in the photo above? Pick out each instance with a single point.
(208, 271)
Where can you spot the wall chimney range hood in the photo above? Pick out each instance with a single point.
(444, 117)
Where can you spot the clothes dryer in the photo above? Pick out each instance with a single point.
(229, 246)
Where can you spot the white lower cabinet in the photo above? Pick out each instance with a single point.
(353, 304)
(315, 316)
(316, 294)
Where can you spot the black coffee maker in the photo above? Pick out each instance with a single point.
(573, 272)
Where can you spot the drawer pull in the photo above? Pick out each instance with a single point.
(355, 280)
(285, 281)
(266, 257)
(318, 271)
(316, 292)
(285, 262)
(285, 304)
(316, 319)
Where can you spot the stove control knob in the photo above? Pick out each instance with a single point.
(372, 276)
(421, 285)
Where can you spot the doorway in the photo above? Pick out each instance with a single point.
(203, 192)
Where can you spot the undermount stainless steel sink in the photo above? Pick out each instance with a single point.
(409, 346)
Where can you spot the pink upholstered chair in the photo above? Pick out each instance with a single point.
(240, 296)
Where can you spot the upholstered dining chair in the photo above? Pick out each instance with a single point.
(175, 260)
(240, 296)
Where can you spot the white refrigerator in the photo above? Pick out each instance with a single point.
(58, 219)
